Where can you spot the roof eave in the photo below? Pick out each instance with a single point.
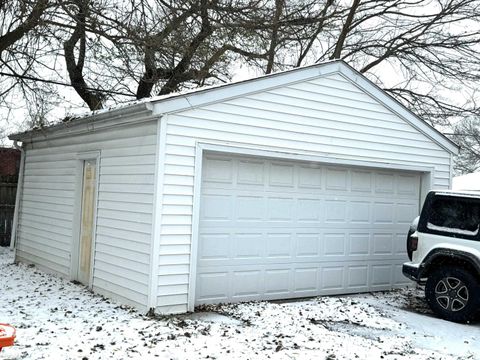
(89, 123)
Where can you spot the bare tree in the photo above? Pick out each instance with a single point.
(116, 50)
(467, 133)
(186, 43)
(146, 48)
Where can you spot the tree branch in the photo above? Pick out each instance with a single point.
(29, 24)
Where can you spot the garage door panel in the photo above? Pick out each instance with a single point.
(383, 212)
(382, 244)
(334, 245)
(309, 177)
(246, 283)
(381, 276)
(213, 286)
(247, 246)
(307, 227)
(359, 244)
(299, 192)
(359, 212)
(249, 208)
(336, 179)
(286, 281)
(361, 182)
(280, 229)
(306, 280)
(250, 172)
(384, 183)
(217, 207)
(308, 210)
(333, 278)
(357, 277)
(281, 175)
(278, 281)
(214, 247)
(218, 170)
(237, 247)
(279, 246)
(308, 246)
(280, 208)
(408, 185)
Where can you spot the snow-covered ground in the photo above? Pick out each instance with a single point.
(56, 319)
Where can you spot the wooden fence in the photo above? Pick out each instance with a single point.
(8, 191)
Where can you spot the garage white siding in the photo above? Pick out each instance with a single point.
(328, 117)
(46, 211)
(272, 229)
(124, 207)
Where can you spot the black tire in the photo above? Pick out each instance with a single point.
(453, 293)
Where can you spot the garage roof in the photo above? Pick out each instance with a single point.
(176, 102)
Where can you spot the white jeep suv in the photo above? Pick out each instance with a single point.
(443, 245)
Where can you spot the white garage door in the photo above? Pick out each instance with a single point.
(273, 229)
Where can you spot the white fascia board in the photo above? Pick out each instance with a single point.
(235, 90)
(393, 105)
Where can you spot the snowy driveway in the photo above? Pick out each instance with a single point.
(56, 319)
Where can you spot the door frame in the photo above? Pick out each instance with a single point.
(77, 214)
(426, 183)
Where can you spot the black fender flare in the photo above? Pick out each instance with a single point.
(450, 254)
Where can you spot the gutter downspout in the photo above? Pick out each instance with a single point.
(13, 237)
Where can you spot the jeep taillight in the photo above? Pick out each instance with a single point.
(412, 244)
(412, 239)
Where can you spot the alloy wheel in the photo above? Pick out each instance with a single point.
(451, 294)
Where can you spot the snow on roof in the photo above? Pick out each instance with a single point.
(467, 182)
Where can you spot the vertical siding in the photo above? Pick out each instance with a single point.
(124, 208)
(328, 117)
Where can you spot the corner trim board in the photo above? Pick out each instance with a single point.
(197, 191)
(157, 212)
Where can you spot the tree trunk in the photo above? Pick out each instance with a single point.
(93, 99)
(345, 30)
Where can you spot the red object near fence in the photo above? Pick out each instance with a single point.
(7, 335)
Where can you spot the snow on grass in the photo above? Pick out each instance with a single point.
(56, 319)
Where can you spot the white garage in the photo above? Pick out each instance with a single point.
(289, 185)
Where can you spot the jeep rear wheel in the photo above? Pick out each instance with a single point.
(453, 294)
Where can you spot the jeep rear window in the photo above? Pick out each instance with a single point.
(455, 216)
